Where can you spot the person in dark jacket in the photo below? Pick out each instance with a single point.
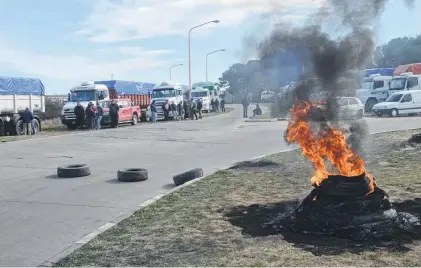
(114, 109)
(245, 103)
(257, 111)
(153, 112)
(27, 118)
(217, 105)
(90, 115)
(80, 115)
(99, 114)
(186, 109)
(174, 110)
(199, 108)
(180, 109)
(213, 105)
(223, 105)
(166, 109)
(193, 108)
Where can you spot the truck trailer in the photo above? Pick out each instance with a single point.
(17, 94)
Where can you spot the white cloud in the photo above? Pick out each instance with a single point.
(78, 68)
(122, 20)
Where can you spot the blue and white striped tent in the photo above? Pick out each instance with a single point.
(128, 87)
(21, 86)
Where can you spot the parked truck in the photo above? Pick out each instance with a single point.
(139, 94)
(204, 96)
(373, 83)
(213, 89)
(17, 94)
(167, 92)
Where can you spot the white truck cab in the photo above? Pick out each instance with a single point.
(203, 95)
(167, 92)
(213, 89)
(374, 83)
(400, 103)
(84, 93)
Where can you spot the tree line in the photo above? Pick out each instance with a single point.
(271, 74)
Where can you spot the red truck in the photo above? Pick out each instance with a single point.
(414, 68)
(128, 113)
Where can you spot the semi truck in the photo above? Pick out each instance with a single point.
(139, 94)
(167, 92)
(204, 96)
(17, 94)
(213, 89)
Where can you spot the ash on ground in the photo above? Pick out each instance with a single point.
(367, 220)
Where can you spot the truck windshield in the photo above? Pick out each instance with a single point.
(397, 83)
(163, 93)
(85, 95)
(394, 98)
(199, 94)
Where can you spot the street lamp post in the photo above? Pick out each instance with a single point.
(219, 50)
(173, 67)
(200, 25)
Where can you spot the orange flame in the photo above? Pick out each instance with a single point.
(330, 144)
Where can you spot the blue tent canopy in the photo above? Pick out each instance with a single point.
(128, 87)
(21, 86)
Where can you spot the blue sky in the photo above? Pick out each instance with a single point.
(65, 42)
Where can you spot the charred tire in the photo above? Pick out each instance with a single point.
(135, 119)
(345, 186)
(187, 176)
(73, 171)
(394, 112)
(132, 174)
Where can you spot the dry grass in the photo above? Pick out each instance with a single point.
(189, 226)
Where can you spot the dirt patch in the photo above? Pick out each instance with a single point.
(259, 166)
(193, 226)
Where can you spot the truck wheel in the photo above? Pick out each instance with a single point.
(35, 127)
(132, 174)
(73, 171)
(19, 128)
(394, 113)
(135, 120)
(369, 105)
(187, 176)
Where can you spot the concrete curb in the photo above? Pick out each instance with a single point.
(260, 120)
(105, 227)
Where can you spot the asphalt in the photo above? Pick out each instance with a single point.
(44, 217)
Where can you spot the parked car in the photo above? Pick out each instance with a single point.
(400, 103)
(348, 107)
(128, 113)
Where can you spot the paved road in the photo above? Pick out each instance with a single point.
(43, 217)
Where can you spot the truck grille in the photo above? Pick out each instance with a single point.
(69, 114)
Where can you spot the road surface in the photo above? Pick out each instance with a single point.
(43, 217)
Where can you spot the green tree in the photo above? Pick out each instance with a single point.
(398, 51)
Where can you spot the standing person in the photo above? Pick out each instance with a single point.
(80, 115)
(90, 115)
(217, 105)
(193, 108)
(199, 108)
(180, 109)
(174, 110)
(213, 105)
(223, 105)
(99, 114)
(166, 109)
(114, 109)
(245, 103)
(153, 112)
(186, 109)
(27, 118)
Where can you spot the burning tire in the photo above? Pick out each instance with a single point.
(73, 171)
(337, 185)
(132, 175)
(187, 176)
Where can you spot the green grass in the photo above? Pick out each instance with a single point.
(189, 226)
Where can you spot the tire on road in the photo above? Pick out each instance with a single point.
(187, 176)
(73, 171)
(132, 174)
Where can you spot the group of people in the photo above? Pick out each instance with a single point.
(246, 102)
(93, 115)
(190, 109)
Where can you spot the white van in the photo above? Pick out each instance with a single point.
(400, 103)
